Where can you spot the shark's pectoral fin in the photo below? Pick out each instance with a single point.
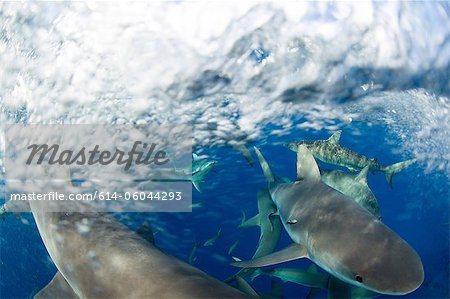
(307, 168)
(335, 137)
(145, 231)
(292, 252)
(57, 288)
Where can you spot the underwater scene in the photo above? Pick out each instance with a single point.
(318, 144)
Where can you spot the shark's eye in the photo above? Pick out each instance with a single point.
(358, 278)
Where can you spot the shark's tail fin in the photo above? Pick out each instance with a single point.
(265, 166)
(197, 181)
(390, 170)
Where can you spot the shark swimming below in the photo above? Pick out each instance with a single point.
(105, 259)
(332, 152)
(338, 234)
(354, 186)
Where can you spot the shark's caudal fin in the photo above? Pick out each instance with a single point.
(265, 166)
(390, 170)
(307, 168)
(197, 184)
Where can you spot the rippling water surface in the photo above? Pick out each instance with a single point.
(253, 74)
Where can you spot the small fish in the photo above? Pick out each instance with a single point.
(192, 256)
(196, 205)
(213, 240)
(233, 247)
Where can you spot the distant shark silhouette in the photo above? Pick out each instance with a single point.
(98, 257)
(332, 152)
(338, 234)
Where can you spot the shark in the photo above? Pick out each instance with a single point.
(270, 229)
(211, 241)
(332, 152)
(105, 259)
(354, 186)
(337, 234)
(200, 169)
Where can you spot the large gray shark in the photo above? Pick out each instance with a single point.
(354, 186)
(332, 152)
(98, 257)
(338, 234)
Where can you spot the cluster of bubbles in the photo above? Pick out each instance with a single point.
(229, 70)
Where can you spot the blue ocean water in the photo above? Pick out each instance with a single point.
(259, 76)
(416, 208)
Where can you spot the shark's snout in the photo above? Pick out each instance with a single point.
(398, 271)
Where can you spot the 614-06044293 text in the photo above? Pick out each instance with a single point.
(103, 196)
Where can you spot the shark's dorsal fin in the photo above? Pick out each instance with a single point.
(292, 252)
(362, 175)
(194, 157)
(335, 137)
(145, 231)
(307, 168)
